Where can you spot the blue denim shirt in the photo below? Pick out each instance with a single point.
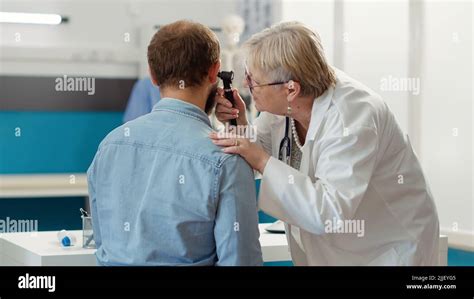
(161, 193)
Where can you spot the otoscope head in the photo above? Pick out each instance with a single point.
(226, 76)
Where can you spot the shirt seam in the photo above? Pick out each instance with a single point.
(167, 149)
(217, 177)
(190, 115)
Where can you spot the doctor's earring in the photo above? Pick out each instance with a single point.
(288, 110)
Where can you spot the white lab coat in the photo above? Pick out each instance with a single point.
(356, 165)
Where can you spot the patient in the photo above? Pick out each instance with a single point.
(161, 192)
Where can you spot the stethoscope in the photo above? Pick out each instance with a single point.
(284, 153)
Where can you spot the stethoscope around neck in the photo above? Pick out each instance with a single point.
(284, 154)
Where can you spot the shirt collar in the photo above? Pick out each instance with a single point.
(182, 107)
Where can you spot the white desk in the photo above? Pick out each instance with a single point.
(43, 249)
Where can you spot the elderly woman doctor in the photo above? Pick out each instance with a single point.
(332, 158)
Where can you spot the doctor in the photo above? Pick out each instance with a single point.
(335, 165)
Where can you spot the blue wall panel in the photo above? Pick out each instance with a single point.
(50, 142)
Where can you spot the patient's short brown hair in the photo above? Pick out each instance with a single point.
(181, 53)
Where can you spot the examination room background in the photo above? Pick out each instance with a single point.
(383, 44)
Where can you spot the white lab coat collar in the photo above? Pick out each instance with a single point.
(320, 106)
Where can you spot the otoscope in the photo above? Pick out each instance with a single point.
(227, 78)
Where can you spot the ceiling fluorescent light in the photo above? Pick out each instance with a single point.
(31, 18)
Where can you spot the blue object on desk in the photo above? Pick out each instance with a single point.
(66, 238)
(66, 241)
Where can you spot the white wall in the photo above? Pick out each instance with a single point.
(376, 46)
(447, 101)
(319, 15)
(95, 40)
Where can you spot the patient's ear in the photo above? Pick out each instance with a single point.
(152, 77)
(213, 72)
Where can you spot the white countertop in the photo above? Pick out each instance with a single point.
(43, 249)
(43, 185)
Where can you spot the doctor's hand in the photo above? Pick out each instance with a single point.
(252, 152)
(225, 111)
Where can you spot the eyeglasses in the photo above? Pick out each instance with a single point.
(252, 86)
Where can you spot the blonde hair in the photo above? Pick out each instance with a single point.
(291, 51)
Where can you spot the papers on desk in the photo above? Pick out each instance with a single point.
(278, 227)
